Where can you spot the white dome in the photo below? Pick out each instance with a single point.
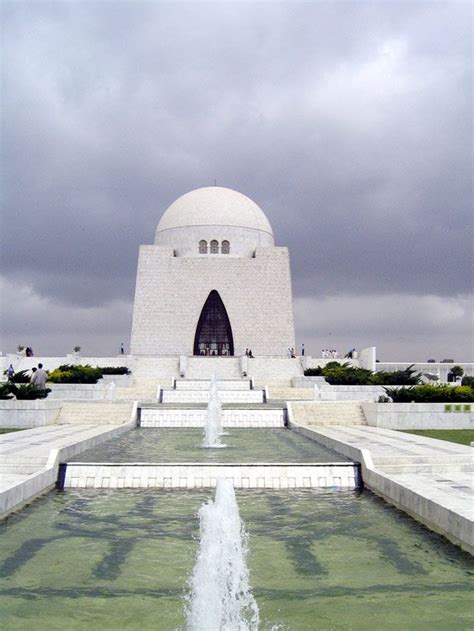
(214, 213)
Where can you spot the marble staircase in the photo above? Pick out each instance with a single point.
(322, 413)
(94, 412)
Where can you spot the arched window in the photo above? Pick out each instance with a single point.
(225, 249)
(214, 247)
(202, 247)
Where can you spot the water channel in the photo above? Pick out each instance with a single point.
(318, 559)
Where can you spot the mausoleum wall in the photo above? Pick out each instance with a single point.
(171, 292)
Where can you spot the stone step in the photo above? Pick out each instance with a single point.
(290, 394)
(202, 396)
(20, 468)
(94, 413)
(207, 367)
(328, 413)
(205, 384)
(438, 469)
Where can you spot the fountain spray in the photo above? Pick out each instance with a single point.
(220, 598)
(213, 425)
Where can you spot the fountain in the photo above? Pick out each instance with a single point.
(220, 598)
(213, 425)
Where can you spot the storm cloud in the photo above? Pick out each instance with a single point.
(350, 124)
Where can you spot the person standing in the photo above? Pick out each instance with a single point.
(10, 372)
(40, 377)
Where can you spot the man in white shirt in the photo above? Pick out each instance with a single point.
(40, 377)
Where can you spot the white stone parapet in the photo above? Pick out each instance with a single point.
(205, 384)
(420, 415)
(192, 476)
(27, 414)
(161, 418)
(202, 396)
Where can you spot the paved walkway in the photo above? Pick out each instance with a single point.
(29, 459)
(430, 479)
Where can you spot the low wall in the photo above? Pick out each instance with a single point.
(324, 391)
(28, 414)
(419, 415)
(23, 491)
(191, 476)
(202, 396)
(457, 527)
(351, 393)
(150, 417)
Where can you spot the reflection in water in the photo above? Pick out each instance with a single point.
(97, 559)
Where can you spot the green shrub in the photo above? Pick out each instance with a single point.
(431, 394)
(468, 381)
(75, 374)
(24, 392)
(455, 372)
(406, 377)
(21, 376)
(114, 370)
(345, 374)
(5, 391)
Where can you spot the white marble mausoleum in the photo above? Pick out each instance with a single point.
(213, 283)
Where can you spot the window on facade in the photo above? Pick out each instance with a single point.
(214, 247)
(225, 249)
(203, 247)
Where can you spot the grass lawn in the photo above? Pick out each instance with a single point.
(6, 430)
(462, 436)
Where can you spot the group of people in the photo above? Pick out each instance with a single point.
(248, 353)
(39, 375)
(329, 354)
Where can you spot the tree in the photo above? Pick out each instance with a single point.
(455, 372)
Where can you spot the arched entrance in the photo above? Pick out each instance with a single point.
(213, 333)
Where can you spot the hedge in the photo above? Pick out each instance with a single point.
(431, 394)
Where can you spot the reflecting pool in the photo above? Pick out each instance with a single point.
(318, 560)
(185, 445)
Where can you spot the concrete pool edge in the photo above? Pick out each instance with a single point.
(24, 488)
(447, 516)
(197, 475)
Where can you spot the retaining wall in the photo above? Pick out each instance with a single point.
(191, 476)
(420, 415)
(150, 417)
(28, 414)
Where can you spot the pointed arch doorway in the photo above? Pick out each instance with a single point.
(214, 333)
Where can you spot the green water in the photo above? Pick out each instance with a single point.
(185, 445)
(105, 560)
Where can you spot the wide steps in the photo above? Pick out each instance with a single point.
(328, 413)
(94, 413)
(290, 394)
(202, 396)
(206, 367)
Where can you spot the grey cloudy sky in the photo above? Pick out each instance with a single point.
(349, 123)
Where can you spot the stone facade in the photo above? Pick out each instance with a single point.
(171, 292)
(213, 240)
